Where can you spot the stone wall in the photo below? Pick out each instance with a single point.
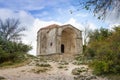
(50, 39)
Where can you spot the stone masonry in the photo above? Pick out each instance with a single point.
(55, 39)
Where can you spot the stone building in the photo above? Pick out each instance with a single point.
(55, 39)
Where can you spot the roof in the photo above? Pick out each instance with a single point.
(56, 26)
(50, 26)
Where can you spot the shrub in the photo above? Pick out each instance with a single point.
(105, 52)
(62, 66)
(78, 71)
(43, 65)
(39, 70)
(99, 67)
(12, 51)
(63, 63)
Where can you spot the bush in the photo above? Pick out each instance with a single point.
(105, 52)
(78, 71)
(43, 65)
(100, 67)
(40, 69)
(12, 51)
(62, 66)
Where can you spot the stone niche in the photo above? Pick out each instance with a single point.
(64, 40)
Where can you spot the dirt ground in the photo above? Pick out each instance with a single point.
(55, 73)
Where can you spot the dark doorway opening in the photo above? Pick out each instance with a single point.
(62, 48)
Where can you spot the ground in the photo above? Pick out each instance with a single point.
(57, 71)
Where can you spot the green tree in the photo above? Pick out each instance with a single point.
(105, 51)
(12, 51)
(98, 35)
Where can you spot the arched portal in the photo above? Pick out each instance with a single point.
(68, 41)
(62, 48)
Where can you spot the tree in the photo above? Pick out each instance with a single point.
(100, 34)
(104, 50)
(10, 29)
(102, 8)
(86, 32)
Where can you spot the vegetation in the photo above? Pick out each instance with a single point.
(11, 50)
(38, 70)
(78, 71)
(62, 66)
(102, 8)
(10, 29)
(63, 63)
(43, 65)
(104, 50)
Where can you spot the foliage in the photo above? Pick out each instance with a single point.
(102, 8)
(43, 65)
(104, 50)
(63, 63)
(78, 71)
(62, 66)
(10, 29)
(11, 51)
(38, 70)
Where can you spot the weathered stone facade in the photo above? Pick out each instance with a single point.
(55, 39)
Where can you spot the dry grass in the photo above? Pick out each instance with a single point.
(14, 65)
(78, 71)
(63, 63)
(61, 67)
(43, 65)
(40, 69)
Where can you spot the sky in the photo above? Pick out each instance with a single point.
(35, 14)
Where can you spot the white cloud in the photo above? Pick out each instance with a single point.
(79, 25)
(82, 15)
(25, 18)
(112, 17)
(5, 13)
(73, 22)
(111, 26)
(92, 26)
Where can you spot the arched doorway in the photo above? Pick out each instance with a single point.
(68, 41)
(62, 48)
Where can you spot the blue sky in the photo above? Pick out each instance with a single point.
(51, 10)
(39, 13)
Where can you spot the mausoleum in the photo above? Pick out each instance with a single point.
(55, 39)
